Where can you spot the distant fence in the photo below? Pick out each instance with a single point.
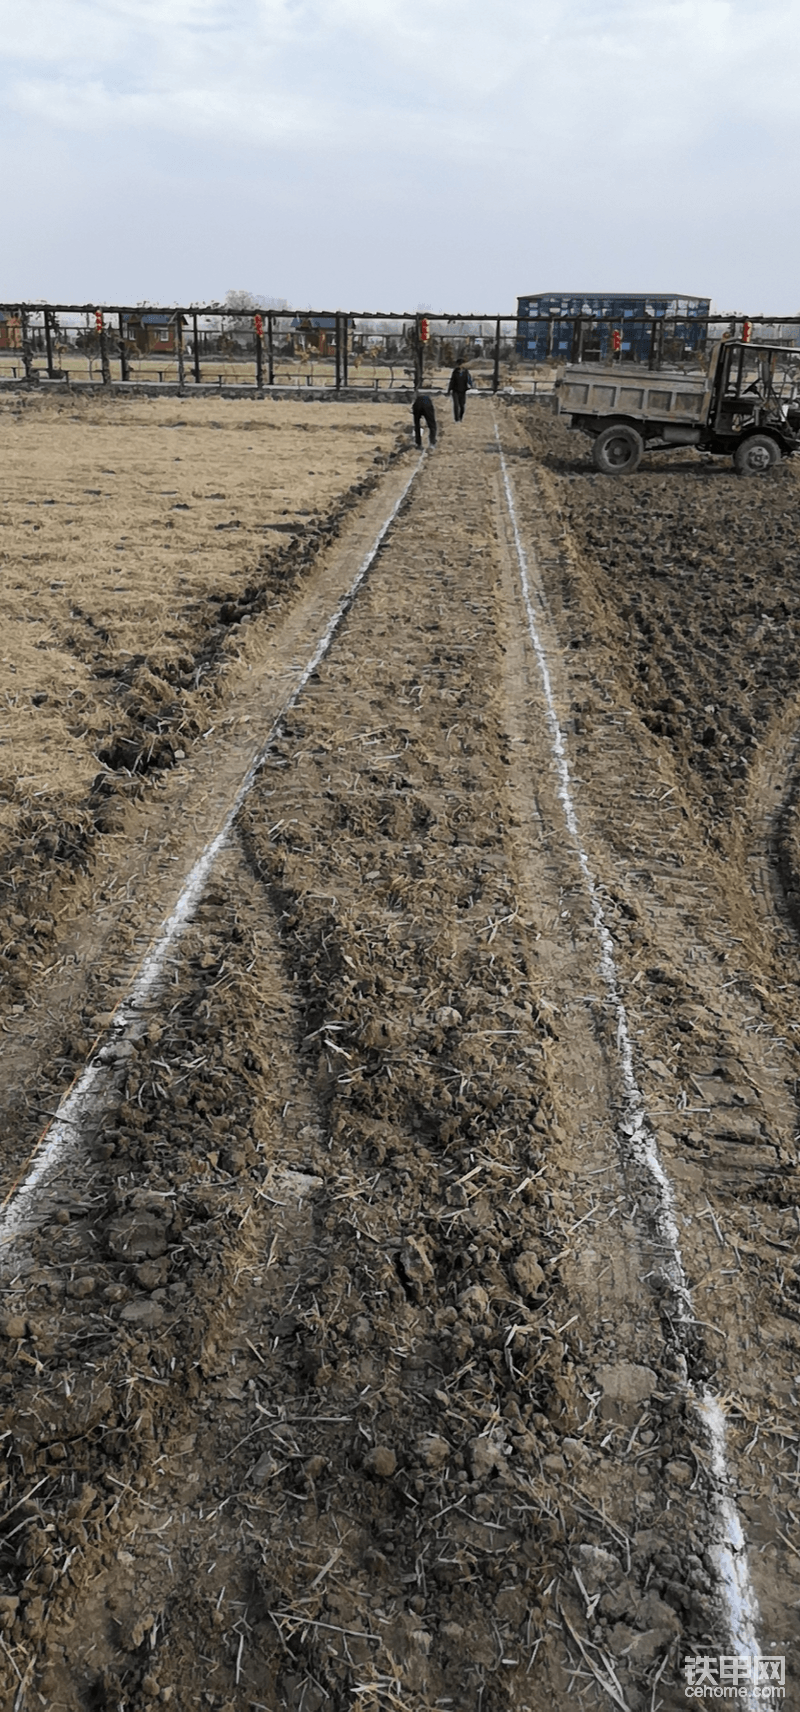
(211, 346)
(337, 351)
(658, 339)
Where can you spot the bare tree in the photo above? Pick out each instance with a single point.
(242, 302)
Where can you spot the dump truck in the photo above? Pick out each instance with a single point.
(745, 404)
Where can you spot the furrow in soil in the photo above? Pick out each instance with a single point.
(342, 1372)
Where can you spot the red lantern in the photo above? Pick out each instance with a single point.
(98, 320)
(259, 325)
(747, 332)
(424, 330)
(616, 341)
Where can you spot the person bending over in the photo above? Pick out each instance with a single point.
(423, 408)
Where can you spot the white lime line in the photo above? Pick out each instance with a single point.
(637, 1138)
(96, 1083)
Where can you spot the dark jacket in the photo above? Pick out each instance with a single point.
(460, 380)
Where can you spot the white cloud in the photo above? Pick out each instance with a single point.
(618, 131)
(516, 73)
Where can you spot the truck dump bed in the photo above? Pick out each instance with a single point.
(611, 391)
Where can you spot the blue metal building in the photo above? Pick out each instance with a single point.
(562, 327)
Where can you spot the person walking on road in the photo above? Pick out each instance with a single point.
(423, 407)
(460, 382)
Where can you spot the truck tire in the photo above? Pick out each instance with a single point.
(618, 450)
(757, 454)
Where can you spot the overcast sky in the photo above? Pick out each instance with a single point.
(400, 153)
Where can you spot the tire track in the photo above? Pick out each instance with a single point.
(426, 1297)
(637, 1140)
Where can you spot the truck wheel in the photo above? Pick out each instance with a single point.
(618, 451)
(756, 455)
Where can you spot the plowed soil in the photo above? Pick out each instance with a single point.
(340, 1366)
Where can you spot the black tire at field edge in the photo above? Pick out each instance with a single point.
(756, 455)
(618, 450)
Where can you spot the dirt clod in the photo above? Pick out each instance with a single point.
(381, 1461)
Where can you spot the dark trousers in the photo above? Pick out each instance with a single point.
(459, 400)
(423, 407)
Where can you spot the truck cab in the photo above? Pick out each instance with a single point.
(756, 390)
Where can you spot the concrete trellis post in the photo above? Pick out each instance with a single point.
(181, 352)
(105, 363)
(27, 353)
(48, 337)
(123, 355)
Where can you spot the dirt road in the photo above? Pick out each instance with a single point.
(363, 1345)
